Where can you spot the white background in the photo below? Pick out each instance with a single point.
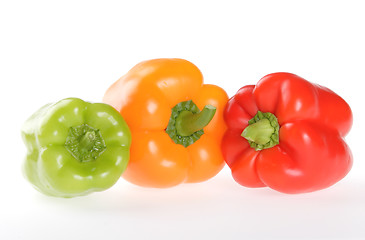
(51, 51)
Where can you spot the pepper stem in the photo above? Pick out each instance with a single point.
(85, 143)
(259, 132)
(188, 123)
(262, 131)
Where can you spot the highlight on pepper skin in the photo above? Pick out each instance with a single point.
(176, 122)
(287, 134)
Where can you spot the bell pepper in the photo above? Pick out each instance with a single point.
(176, 122)
(287, 134)
(75, 147)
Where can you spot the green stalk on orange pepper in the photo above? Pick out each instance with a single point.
(176, 122)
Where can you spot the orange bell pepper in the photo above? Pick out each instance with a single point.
(172, 140)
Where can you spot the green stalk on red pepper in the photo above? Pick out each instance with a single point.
(75, 147)
(288, 134)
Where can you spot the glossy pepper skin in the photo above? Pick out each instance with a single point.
(308, 153)
(147, 97)
(75, 147)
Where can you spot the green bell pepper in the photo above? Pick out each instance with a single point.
(75, 147)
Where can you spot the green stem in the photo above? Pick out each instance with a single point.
(262, 131)
(87, 141)
(259, 132)
(188, 123)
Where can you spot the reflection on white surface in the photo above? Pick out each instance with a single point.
(216, 209)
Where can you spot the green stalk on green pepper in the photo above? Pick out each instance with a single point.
(75, 147)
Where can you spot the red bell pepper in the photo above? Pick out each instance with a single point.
(288, 134)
